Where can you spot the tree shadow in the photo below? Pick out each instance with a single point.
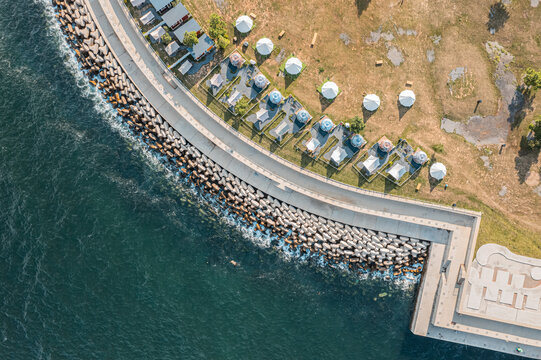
(306, 159)
(389, 185)
(402, 110)
(362, 5)
(325, 103)
(525, 159)
(497, 16)
(519, 107)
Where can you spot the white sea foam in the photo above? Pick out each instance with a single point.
(260, 239)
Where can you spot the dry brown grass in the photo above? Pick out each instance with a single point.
(514, 219)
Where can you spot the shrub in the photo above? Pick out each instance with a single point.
(242, 106)
(532, 79)
(534, 139)
(321, 70)
(190, 38)
(437, 148)
(223, 42)
(166, 38)
(216, 26)
(357, 124)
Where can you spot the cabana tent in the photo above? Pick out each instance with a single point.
(236, 60)
(157, 34)
(385, 144)
(329, 90)
(338, 155)
(406, 98)
(357, 141)
(371, 102)
(397, 171)
(371, 164)
(261, 81)
(262, 114)
(293, 66)
(264, 46)
(438, 171)
(217, 80)
(137, 3)
(303, 116)
(326, 124)
(244, 24)
(147, 18)
(275, 97)
(172, 48)
(420, 157)
(313, 144)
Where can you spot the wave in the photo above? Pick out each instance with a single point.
(158, 163)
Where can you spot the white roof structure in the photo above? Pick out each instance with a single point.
(137, 3)
(329, 90)
(293, 66)
(264, 46)
(261, 81)
(420, 157)
(262, 114)
(157, 34)
(438, 171)
(190, 25)
(160, 4)
(397, 171)
(338, 155)
(185, 67)
(147, 18)
(313, 144)
(406, 98)
(172, 48)
(234, 98)
(371, 164)
(217, 80)
(174, 15)
(371, 102)
(244, 24)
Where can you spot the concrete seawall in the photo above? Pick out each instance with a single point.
(387, 231)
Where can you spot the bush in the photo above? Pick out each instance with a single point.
(190, 38)
(166, 38)
(357, 124)
(534, 138)
(532, 79)
(223, 42)
(321, 70)
(242, 106)
(437, 148)
(216, 26)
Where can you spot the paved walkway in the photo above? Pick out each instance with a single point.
(257, 166)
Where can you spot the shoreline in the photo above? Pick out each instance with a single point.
(357, 247)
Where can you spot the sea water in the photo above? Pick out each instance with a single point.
(104, 254)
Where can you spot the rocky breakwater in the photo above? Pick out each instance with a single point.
(335, 242)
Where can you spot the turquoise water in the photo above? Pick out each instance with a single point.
(105, 255)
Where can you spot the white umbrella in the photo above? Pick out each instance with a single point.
(293, 66)
(329, 90)
(406, 98)
(264, 46)
(438, 171)
(244, 24)
(371, 102)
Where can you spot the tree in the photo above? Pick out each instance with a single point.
(357, 124)
(166, 38)
(532, 79)
(242, 105)
(190, 38)
(216, 26)
(223, 42)
(534, 138)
